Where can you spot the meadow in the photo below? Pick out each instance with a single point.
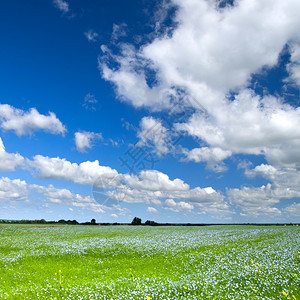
(144, 262)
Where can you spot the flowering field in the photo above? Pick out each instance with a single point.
(128, 262)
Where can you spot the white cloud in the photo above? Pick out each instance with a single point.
(153, 180)
(206, 43)
(284, 184)
(207, 154)
(170, 204)
(247, 124)
(62, 5)
(149, 187)
(91, 35)
(119, 30)
(90, 102)
(210, 53)
(23, 122)
(293, 210)
(153, 187)
(59, 168)
(85, 139)
(212, 156)
(284, 154)
(66, 197)
(86, 202)
(256, 201)
(284, 180)
(294, 67)
(16, 190)
(252, 125)
(13, 190)
(9, 161)
(152, 210)
(53, 194)
(153, 134)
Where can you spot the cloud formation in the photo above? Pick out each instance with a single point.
(119, 30)
(91, 35)
(170, 204)
(85, 139)
(152, 210)
(66, 197)
(283, 184)
(9, 161)
(27, 122)
(211, 53)
(12, 190)
(150, 186)
(206, 43)
(90, 102)
(213, 156)
(154, 135)
(62, 5)
(294, 65)
(59, 168)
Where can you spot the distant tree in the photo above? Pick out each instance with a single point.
(72, 222)
(136, 221)
(151, 223)
(93, 222)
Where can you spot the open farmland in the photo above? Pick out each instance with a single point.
(142, 262)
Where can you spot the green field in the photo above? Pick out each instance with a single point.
(142, 262)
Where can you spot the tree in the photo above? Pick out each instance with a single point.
(93, 222)
(151, 223)
(136, 221)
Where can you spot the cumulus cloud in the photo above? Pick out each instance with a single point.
(85, 139)
(255, 201)
(16, 190)
(53, 194)
(208, 42)
(66, 197)
(91, 35)
(170, 204)
(154, 187)
(250, 124)
(149, 187)
(152, 210)
(23, 122)
(9, 161)
(12, 190)
(211, 52)
(213, 156)
(153, 180)
(285, 181)
(293, 210)
(59, 168)
(284, 184)
(62, 5)
(294, 66)
(86, 202)
(153, 134)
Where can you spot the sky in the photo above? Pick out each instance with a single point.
(171, 110)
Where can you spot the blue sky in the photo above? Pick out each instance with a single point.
(173, 111)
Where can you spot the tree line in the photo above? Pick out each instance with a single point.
(136, 221)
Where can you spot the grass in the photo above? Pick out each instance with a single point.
(128, 262)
